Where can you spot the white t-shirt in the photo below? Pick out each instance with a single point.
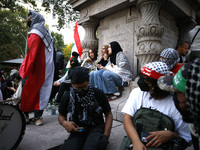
(138, 98)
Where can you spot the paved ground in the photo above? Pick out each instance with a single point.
(52, 134)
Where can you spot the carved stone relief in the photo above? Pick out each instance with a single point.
(149, 33)
(90, 40)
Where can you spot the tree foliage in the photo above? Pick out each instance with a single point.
(59, 8)
(58, 41)
(13, 33)
(67, 51)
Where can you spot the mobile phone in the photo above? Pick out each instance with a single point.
(81, 129)
(143, 137)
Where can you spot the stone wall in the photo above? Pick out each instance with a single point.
(121, 28)
(171, 32)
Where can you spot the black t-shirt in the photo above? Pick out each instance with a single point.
(103, 62)
(100, 98)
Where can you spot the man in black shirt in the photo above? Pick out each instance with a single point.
(86, 106)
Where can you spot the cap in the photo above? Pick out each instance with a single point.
(75, 54)
(155, 70)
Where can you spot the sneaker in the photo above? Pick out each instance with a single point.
(35, 121)
(39, 122)
(192, 130)
(117, 94)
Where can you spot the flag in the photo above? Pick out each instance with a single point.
(77, 40)
(37, 68)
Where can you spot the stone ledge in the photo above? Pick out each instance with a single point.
(117, 105)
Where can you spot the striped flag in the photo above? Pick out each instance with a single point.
(37, 68)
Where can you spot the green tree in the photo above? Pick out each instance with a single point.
(58, 41)
(67, 51)
(60, 8)
(13, 33)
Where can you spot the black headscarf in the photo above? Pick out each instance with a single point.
(115, 49)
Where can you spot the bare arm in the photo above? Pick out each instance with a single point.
(108, 123)
(132, 133)
(68, 125)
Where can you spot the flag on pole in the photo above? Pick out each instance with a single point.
(76, 47)
(77, 40)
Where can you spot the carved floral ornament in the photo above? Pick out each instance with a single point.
(150, 30)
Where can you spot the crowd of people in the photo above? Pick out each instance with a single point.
(170, 85)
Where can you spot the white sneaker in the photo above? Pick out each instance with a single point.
(117, 94)
(39, 122)
(192, 130)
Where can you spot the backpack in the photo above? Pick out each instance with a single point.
(147, 120)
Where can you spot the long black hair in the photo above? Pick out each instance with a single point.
(115, 49)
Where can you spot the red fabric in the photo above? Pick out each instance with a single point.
(77, 40)
(70, 58)
(33, 68)
(150, 73)
(176, 68)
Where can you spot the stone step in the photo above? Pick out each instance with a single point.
(118, 104)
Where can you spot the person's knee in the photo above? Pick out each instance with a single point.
(107, 75)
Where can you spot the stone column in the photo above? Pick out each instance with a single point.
(149, 33)
(90, 40)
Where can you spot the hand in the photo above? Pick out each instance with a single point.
(89, 60)
(70, 126)
(56, 83)
(99, 66)
(139, 146)
(158, 138)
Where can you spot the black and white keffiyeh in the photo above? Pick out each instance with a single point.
(38, 23)
(172, 57)
(86, 102)
(155, 70)
(193, 93)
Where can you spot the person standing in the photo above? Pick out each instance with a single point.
(37, 68)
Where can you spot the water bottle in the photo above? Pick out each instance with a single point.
(53, 109)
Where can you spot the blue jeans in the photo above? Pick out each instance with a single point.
(96, 79)
(110, 82)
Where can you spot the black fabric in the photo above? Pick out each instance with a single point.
(7, 93)
(91, 139)
(142, 84)
(103, 62)
(38, 113)
(115, 49)
(101, 99)
(63, 87)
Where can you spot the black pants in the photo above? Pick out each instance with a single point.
(37, 113)
(90, 139)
